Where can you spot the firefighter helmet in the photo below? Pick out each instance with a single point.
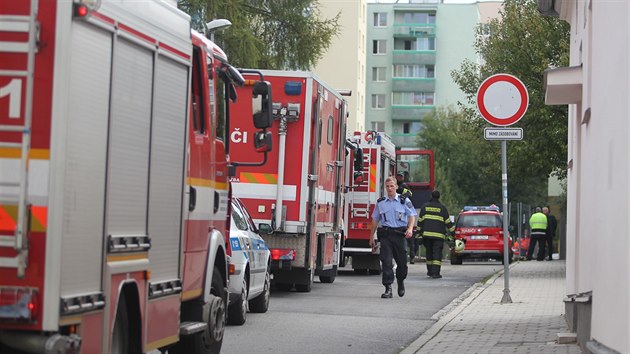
(459, 246)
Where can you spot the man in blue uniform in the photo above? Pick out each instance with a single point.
(393, 219)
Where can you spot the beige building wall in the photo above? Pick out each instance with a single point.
(343, 65)
(597, 90)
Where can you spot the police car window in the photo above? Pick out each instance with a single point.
(238, 218)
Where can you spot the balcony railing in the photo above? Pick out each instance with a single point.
(414, 57)
(407, 84)
(400, 112)
(414, 30)
(404, 140)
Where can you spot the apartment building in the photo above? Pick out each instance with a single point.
(412, 48)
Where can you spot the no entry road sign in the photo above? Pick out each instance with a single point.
(502, 99)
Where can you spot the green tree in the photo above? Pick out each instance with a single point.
(523, 43)
(267, 34)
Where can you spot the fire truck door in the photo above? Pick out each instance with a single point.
(313, 183)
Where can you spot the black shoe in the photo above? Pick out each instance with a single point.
(411, 261)
(548, 259)
(436, 276)
(388, 293)
(401, 288)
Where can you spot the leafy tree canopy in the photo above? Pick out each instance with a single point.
(267, 34)
(468, 168)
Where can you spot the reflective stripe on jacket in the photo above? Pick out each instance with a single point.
(538, 224)
(434, 221)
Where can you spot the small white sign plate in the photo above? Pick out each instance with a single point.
(503, 133)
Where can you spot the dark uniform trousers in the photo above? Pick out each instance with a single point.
(434, 247)
(392, 248)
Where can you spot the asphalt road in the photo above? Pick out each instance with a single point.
(349, 316)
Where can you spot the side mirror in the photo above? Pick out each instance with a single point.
(264, 229)
(262, 141)
(261, 105)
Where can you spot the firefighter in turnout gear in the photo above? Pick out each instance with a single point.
(393, 218)
(404, 192)
(434, 223)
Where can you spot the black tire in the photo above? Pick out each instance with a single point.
(211, 340)
(260, 304)
(329, 276)
(306, 288)
(120, 335)
(284, 286)
(237, 312)
(455, 260)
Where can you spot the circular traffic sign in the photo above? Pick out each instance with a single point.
(502, 99)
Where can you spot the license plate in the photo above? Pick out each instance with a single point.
(479, 237)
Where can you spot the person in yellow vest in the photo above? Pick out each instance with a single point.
(538, 225)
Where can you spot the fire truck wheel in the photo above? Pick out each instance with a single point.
(210, 340)
(237, 312)
(260, 303)
(306, 288)
(120, 337)
(455, 260)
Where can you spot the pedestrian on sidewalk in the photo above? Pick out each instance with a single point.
(393, 220)
(433, 223)
(538, 225)
(552, 223)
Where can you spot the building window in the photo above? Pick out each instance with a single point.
(380, 19)
(414, 71)
(378, 74)
(412, 127)
(377, 126)
(413, 98)
(415, 18)
(331, 122)
(425, 43)
(378, 101)
(379, 46)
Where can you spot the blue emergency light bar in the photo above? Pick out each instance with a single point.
(481, 208)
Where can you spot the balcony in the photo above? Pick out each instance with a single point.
(414, 30)
(413, 57)
(405, 140)
(413, 84)
(410, 112)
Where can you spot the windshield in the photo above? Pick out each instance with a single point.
(479, 220)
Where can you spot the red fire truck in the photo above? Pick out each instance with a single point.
(379, 162)
(114, 195)
(299, 190)
(417, 170)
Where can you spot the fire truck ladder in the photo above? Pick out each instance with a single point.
(363, 198)
(19, 24)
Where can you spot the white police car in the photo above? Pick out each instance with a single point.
(249, 266)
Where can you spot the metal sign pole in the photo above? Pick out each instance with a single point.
(506, 261)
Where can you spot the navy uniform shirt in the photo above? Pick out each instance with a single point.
(390, 212)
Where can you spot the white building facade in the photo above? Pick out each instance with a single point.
(596, 88)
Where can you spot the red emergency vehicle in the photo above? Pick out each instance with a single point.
(379, 162)
(381, 159)
(299, 190)
(114, 198)
(417, 170)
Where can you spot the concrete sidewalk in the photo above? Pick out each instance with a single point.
(479, 323)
